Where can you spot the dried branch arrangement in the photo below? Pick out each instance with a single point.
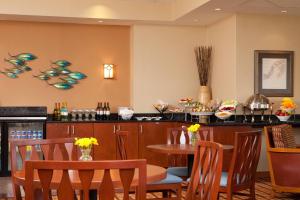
(203, 56)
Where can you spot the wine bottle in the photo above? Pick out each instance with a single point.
(58, 112)
(104, 111)
(107, 110)
(101, 111)
(55, 112)
(98, 110)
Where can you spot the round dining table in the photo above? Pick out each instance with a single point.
(154, 173)
(181, 149)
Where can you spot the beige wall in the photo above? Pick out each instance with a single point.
(88, 47)
(163, 64)
(222, 37)
(265, 32)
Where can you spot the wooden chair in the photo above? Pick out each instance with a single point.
(283, 164)
(168, 185)
(242, 170)
(206, 173)
(45, 170)
(179, 162)
(48, 149)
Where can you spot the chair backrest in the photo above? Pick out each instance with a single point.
(66, 175)
(206, 134)
(122, 143)
(47, 149)
(206, 172)
(283, 164)
(242, 170)
(174, 134)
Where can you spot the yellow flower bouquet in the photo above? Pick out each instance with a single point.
(288, 105)
(85, 145)
(193, 129)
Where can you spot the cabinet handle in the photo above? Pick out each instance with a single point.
(68, 130)
(141, 128)
(114, 128)
(73, 130)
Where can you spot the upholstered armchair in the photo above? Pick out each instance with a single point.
(283, 158)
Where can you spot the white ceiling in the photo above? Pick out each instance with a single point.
(173, 12)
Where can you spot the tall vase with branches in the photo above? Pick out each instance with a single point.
(203, 60)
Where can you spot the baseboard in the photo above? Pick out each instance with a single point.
(263, 174)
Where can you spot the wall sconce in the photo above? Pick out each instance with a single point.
(108, 71)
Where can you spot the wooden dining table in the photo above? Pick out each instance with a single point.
(154, 173)
(181, 149)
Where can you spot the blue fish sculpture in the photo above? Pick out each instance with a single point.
(43, 77)
(51, 72)
(24, 68)
(69, 80)
(62, 70)
(9, 74)
(24, 56)
(15, 70)
(77, 75)
(62, 85)
(62, 63)
(15, 62)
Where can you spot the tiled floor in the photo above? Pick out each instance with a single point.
(263, 191)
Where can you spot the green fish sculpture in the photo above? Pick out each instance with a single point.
(25, 68)
(15, 70)
(62, 70)
(9, 74)
(24, 56)
(77, 75)
(43, 77)
(62, 85)
(69, 80)
(51, 72)
(62, 63)
(15, 62)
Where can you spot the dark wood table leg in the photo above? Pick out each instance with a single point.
(190, 164)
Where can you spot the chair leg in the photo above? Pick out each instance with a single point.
(252, 192)
(178, 193)
(165, 194)
(17, 191)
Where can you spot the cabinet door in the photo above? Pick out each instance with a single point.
(58, 130)
(82, 130)
(106, 150)
(133, 146)
(153, 133)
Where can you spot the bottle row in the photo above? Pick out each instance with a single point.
(102, 112)
(26, 134)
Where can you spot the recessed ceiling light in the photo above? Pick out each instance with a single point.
(196, 20)
(218, 9)
(100, 21)
(284, 11)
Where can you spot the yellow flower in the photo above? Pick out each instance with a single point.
(288, 103)
(194, 128)
(86, 142)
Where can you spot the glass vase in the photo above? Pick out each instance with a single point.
(194, 139)
(85, 154)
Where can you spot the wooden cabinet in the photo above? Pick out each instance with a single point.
(153, 133)
(133, 146)
(105, 134)
(64, 130)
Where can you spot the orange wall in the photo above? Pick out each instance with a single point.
(88, 47)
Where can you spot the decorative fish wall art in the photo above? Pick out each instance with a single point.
(63, 77)
(20, 64)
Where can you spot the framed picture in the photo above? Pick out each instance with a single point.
(274, 73)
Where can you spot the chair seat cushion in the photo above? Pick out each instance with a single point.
(178, 171)
(223, 181)
(169, 180)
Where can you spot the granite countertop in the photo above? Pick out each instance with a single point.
(180, 117)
